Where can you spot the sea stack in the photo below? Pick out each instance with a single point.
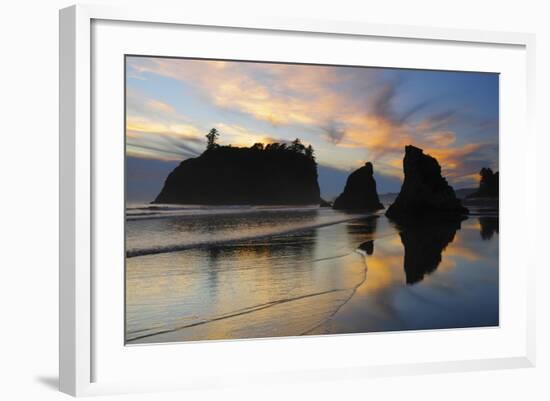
(488, 185)
(360, 191)
(225, 175)
(424, 193)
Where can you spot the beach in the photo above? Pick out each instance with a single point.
(216, 273)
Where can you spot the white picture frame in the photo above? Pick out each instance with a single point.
(78, 162)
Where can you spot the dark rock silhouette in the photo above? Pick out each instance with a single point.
(424, 191)
(488, 185)
(424, 243)
(225, 175)
(489, 226)
(360, 191)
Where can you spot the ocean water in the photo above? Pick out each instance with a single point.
(210, 273)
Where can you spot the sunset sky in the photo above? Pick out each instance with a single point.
(350, 115)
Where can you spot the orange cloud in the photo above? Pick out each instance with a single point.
(275, 93)
(144, 125)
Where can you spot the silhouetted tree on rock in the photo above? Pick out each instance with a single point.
(310, 152)
(212, 137)
(297, 146)
(258, 146)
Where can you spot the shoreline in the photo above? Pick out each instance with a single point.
(183, 247)
(168, 211)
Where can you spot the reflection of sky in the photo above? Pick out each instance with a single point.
(349, 115)
(308, 282)
(461, 292)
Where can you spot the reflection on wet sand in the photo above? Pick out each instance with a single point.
(489, 226)
(455, 278)
(282, 286)
(364, 229)
(349, 277)
(423, 245)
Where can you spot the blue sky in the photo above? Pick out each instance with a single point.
(350, 115)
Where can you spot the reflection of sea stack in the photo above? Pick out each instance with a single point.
(488, 185)
(424, 191)
(365, 226)
(360, 191)
(423, 245)
(488, 227)
(366, 247)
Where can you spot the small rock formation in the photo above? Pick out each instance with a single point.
(360, 191)
(424, 193)
(488, 185)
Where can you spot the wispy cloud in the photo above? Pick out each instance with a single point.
(158, 147)
(154, 129)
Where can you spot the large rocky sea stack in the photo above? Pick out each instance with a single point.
(360, 191)
(226, 175)
(424, 193)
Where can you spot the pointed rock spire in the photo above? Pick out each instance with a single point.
(360, 191)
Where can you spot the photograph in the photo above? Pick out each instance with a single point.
(280, 199)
